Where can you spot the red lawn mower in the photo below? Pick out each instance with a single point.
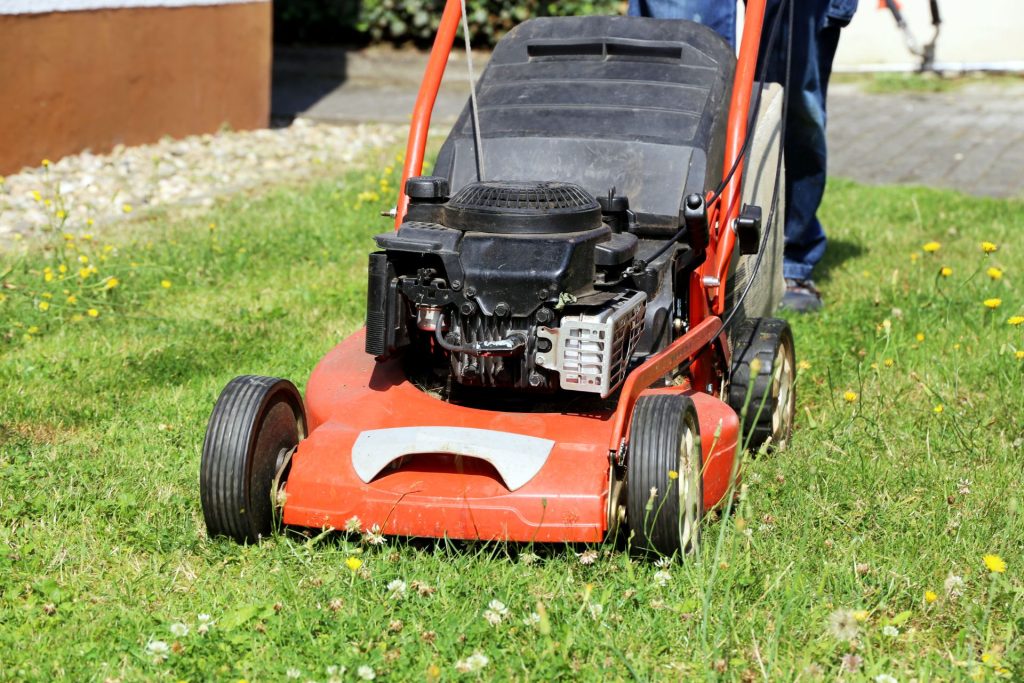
(569, 319)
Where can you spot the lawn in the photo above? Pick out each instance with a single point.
(857, 553)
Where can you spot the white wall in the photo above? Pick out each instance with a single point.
(975, 32)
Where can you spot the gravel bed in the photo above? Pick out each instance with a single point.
(83, 190)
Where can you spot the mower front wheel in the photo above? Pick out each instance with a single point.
(664, 475)
(255, 424)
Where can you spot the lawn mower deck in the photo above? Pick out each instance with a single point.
(546, 356)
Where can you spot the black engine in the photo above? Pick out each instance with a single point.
(518, 285)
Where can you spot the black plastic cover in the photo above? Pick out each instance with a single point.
(630, 103)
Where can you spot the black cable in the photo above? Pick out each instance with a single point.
(778, 172)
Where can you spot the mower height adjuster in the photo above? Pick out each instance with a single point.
(748, 229)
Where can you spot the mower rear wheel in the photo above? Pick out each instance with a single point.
(772, 403)
(255, 424)
(664, 475)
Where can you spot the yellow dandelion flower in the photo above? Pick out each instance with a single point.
(46, 163)
(166, 284)
(930, 596)
(212, 226)
(48, 276)
(989, 247)
(931, 247)
(1019, 355)
(914, 257)
(77, 318)
(37, 196)
(44, 305)
(353, 563)
(61, 213)
(127, 208)
(33, 329)
(861, 615)
(993, 303)
(107, 248)
(87, 236)
(994, 273)
(850, 396)
(994, 563)
(889, 362)
(84, 272)
(1015, 320)
(945, 271)
(673, 475)
(919, 336)
(93, 313)
(82, 258)
(111, 283)
(938, 408)
(72, 299)
(47, 203)
(803, 365)
(62, 268)
(46, 295)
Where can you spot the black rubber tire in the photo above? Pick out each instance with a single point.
(664, 438)
(772, 405)
(255, 422)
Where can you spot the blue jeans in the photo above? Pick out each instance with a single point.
(816, 26)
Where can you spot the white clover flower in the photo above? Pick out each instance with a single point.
(366, 673)
(492, 617)
(890, 631)
(885, 678)
(205, 619)
(158, 648)
(587, 556)
(293, 673)
(396, 589)
(373, 536)
(596, 609)
(662, 577)
(179, 629)
(474, 662)
(353, 525)
(331, 670)
(528, 558)
(663, 562)
(532, 620)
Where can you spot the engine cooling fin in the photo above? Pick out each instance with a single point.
(522, 207)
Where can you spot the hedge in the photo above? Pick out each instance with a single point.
(402, 21)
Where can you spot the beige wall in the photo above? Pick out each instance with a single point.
(93, 79)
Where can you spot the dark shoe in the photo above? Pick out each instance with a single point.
(801, 296)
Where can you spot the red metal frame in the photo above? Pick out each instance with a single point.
(437, 494)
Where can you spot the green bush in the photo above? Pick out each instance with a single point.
(400, 21)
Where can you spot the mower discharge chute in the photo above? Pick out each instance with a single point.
(544, 357)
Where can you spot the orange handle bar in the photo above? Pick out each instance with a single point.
(420, 125)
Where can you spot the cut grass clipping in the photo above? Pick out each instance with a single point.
(884, 543)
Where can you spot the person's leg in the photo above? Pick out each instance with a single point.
(805, 145)
(719, 15)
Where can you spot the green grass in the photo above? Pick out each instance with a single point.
(884, 83)
(103, 549)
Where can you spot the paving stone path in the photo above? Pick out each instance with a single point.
(969, 138)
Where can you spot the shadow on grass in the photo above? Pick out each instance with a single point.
(838, 252)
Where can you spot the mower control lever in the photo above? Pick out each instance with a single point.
(695, 218)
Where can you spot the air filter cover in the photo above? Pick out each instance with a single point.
(515, 207)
